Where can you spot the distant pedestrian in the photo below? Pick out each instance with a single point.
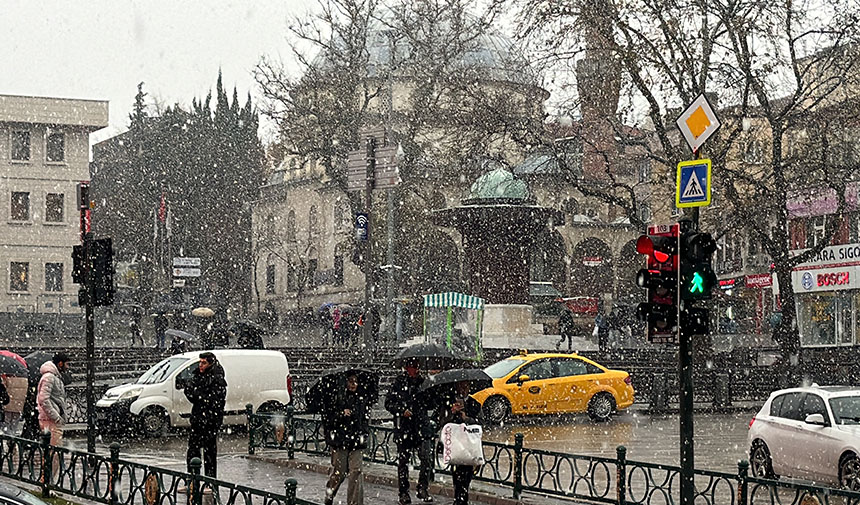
(347, 426)
(51, 397)
(16, 388)
(601, 328)
(411, 429)
(207, 392)
(134, 331)
(375, 324)
(566, 327)
(460, 408)
(160, 323)
(4, 400)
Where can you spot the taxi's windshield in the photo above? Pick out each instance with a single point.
(504, 367)
(846, 409)
(160, 372)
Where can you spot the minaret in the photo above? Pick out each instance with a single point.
(598, 78)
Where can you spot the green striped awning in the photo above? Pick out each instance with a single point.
(452, 299)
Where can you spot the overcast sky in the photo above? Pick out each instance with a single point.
(101, 49)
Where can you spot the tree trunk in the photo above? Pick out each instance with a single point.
(786, 334)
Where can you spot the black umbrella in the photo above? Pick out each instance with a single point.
(428, 356)
(11, 366)
(35, 360)
(477, 379)
(324, 389)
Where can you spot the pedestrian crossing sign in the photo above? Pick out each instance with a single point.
(693, 184)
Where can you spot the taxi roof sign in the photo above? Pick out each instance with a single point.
(698, 123)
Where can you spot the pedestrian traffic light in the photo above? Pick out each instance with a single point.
(697, 274)
(660, 278)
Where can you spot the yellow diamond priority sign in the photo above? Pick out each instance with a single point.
(698, 123)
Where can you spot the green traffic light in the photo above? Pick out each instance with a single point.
(697, 284)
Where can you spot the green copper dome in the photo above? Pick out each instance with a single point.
(498, 186)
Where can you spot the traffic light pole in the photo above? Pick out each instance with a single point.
(89, 287)
(685, 369)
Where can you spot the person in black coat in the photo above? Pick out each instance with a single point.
(346, 421)
(459, 407)
(412, 430)
(207, 392)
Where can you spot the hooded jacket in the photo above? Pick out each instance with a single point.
(347, 432)
(51, 396)
(207, 392)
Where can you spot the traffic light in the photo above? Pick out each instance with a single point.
(101, 254)
(660, 278)
(697, 274)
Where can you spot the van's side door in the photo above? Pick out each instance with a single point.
(181, 405)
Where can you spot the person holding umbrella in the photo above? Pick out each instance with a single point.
(346, 420)
(412, 428)
(452, 388)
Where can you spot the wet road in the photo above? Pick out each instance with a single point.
(720, 439)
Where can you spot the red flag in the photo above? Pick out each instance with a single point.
(162, 209)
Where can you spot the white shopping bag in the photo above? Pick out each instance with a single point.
(462, 445)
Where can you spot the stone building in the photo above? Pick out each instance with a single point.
(44, 154)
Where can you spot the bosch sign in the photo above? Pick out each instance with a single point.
(834, 279)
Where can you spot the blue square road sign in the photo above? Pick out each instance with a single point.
(693, 184)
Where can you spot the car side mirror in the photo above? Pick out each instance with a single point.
(522, 378)
(816, 419)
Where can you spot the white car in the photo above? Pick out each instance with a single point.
(157, 401)
(810, 433)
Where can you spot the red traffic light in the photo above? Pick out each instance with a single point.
(645, 245)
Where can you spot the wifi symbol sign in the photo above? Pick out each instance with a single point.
(361, 223)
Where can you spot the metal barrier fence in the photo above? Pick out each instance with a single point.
(114, 481)
(576, 477)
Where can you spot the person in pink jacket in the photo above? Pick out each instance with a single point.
(51, 397)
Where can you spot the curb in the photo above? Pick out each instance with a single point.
(436, 488)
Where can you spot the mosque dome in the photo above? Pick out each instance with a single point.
(489, 56)
(498, 186)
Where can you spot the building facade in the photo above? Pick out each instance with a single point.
(44, 154)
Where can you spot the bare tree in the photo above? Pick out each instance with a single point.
(788, 68)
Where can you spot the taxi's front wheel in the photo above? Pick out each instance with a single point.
(601, 406)
(496, 409)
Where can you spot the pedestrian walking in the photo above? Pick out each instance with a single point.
(460, 408)
(601, 329)
(16, 388)
(51, 397)
(412, 428)
(207, 392)
(135, 331)
(160, 324)
(347, 425)
(566, 327)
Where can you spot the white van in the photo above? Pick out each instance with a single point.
(157, 402)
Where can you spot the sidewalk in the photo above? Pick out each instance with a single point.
(380, 483)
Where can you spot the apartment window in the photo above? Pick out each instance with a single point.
(54, 207)
(20, 210)
(817, 227)
(291, 226)
(53, 276)
(19, 276)
(313, 221)
(644, 170)
(270, 279)
(292, 278)
(55, 147)
(21, 145)
(313, 265)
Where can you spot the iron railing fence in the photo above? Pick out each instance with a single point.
(596, 479)
(115, 481)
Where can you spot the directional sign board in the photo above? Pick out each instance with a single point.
(383, 157)
(698, 123)
(186, 272)
(693, 184)
(186, 262)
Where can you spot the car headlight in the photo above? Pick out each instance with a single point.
(131, 393)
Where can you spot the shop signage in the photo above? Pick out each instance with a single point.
(835, 255)
(826, 279)
(758, 281)
(592, 261)
(727, 284)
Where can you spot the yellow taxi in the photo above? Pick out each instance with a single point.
(553, 383)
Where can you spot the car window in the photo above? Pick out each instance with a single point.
(813, 404)
(538, 370)
(791, 406)
(565, 367)
(776, 405)
(161, 371)
(846, 409)
(590, 369)
(186, 374)
(504, 367)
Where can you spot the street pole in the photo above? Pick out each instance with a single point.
(685, 368)
(389, 260)
(89, 289)
(368, 256)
